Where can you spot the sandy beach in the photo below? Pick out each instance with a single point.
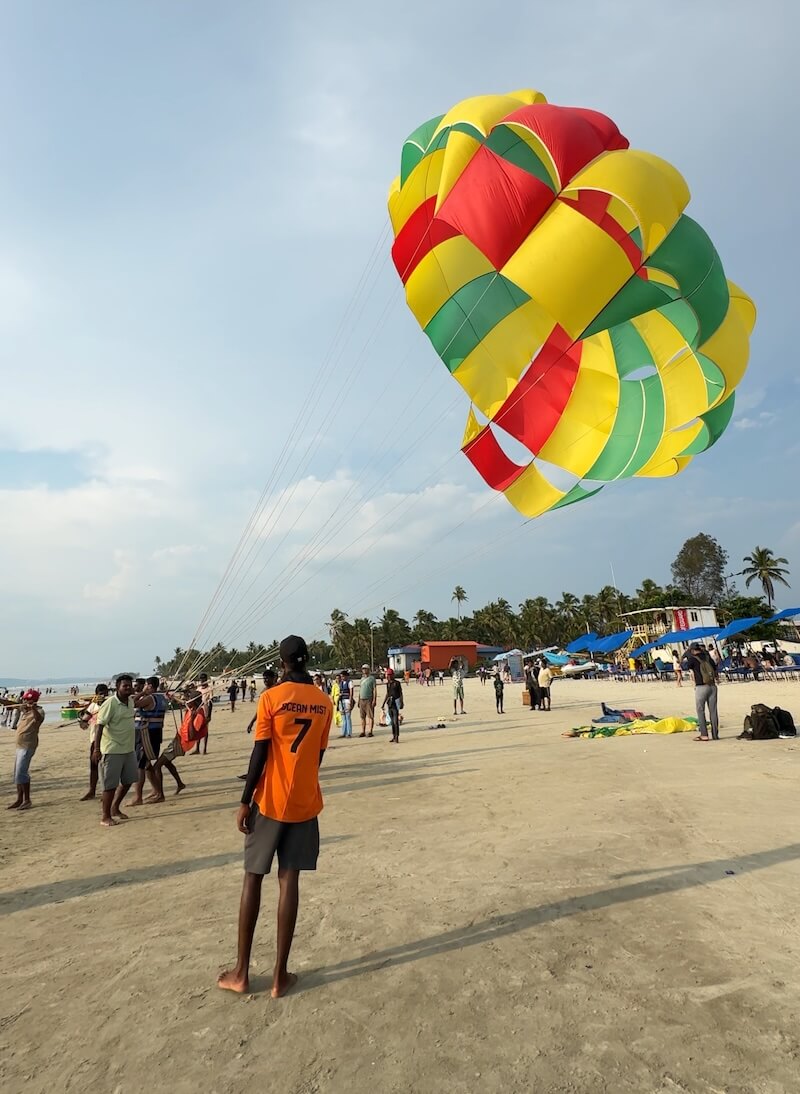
(497, 909)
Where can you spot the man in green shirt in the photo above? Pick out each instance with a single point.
(114, 749)
(366, 701)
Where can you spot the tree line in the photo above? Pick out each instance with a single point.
(699, 576)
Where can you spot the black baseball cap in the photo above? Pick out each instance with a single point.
(293, 650)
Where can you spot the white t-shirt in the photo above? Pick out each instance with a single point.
(545, 676)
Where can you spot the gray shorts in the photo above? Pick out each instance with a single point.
(118, 767)
(297, 844)
(173, 751)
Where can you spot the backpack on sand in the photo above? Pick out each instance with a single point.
(786, 726)
(760, 724)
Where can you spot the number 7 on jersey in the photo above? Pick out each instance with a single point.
(305, 724)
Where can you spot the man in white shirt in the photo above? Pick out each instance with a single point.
(545, 676)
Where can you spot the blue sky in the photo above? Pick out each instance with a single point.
(189, 194)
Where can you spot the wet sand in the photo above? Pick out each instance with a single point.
(497, 908)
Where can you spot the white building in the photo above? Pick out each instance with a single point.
(650, 624)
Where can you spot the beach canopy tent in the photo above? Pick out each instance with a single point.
(677, 636)
(557, 658)
(611, 643)
(787, 613)
(736, 626)
(584, 642)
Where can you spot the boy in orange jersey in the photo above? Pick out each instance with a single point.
(280, 805)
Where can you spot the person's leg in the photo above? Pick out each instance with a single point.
(179, 783)
(371, 718)
(700, 696)
(107, 798)
(92, 777)
(238, 978)
(362, 711)
(158, 783)
(288, 903)
(137, 796)
(713, 712)
(119, 794)
(21, 777)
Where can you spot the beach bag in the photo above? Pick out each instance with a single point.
(786, 726)
(760, 724)
(707, 674)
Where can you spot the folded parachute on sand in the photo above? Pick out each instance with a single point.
(642, 725)
(556, 274)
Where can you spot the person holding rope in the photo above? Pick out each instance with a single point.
(280, 806)
(151, 709)
(89, 721)
(26, 742)
(192, 729)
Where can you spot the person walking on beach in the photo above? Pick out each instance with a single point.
(457, 677)
(544, 680)
(280, 807)
(91, 712)
(252, 689)
(704, 672)
(366, 701)
(498, 692)
(346, 703)
(26, 742)
(676, 668)
(233, 691)
(532, 680)
(393, 704)
(115, 750)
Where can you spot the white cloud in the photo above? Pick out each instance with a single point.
(759, 421)
(119, 584)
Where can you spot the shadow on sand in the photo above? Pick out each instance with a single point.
(474, 934)
(38, 896)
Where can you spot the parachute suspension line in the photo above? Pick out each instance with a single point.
(359, 360)
(257, 541)
(250, 614)
(365, 278)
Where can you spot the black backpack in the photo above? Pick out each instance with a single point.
(786, 726)
(760, 724)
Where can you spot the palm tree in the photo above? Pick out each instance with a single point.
(336, 625)
(459, 596)
(761, 565)
(568, 606)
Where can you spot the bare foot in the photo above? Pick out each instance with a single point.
(154, 799)
(14, 805)
(116, 815)
(232, 980)
(137, 801)
(283, 985)
(89, 796)
(181, 786)
(26, 805)
(109, 822)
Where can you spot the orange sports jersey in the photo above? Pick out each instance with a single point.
(296, 720)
